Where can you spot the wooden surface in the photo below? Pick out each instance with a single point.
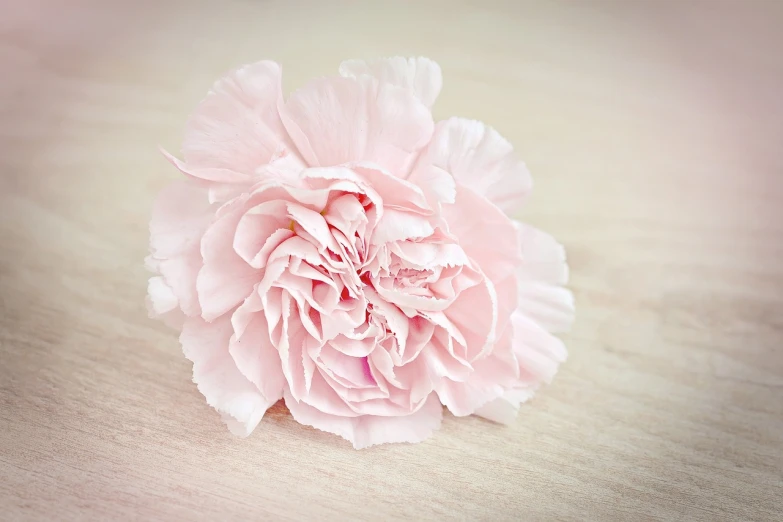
(653, 131)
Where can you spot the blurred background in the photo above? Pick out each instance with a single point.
(653, 131)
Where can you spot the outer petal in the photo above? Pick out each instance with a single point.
(421, 75)
(491, 378)
(543, 258)
(480, 158)
(539, 354)
(237, 127)
(504, 409)
(179, 217)
(163, 304)
(368, 430)
(226, 279)
(228, 391)
(552, 307)
(253, 352)
(339, 120)
(161, 297)
(485, 233)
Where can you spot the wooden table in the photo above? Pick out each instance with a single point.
(653, 130)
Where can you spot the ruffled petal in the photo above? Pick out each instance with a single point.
(492, 377)
(225, 388)
(237, 127)
(504, 409)
(368, 430)
(552, 307)
(539, 354)
(397, 225)
(480, 158)
(339, 120)
(180, 215)
(253, 352)
(162, 298)
(163, 304)
(226, 279)
(543, 258)
(485, 233)
(420, 75)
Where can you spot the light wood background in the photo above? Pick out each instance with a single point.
(654, 131)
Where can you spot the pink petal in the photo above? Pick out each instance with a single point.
(226, 279)
(257, 359)
(209, 174)
(539, 352)
(314, 224)
(256, 227)
(180, 215)
(475, 312)
(420, 75)
(492, 376)
(543, 258)
(504, 409)
(228, 391)
(237, 126)
(291, 347)
(395, 192)
(368, 430)
(161, 296)
(480, 158)
(485, 233)
(339, 120)
(163, 304)
(552, 307)
(437, 184)
(396, 225)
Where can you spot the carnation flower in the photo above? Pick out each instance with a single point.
(343, 252)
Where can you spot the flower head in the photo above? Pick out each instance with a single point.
(343, 252)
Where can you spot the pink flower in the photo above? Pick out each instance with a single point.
(343, 252)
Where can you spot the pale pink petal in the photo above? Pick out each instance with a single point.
(291, 346)
(420, 75)
(368, 430)
(543, 258)
(237, 126)
(226, 279)
(550, 306)
(475, 312)
(397, 225)
(257, 359)
(162, 298)
(217, 377)
(438, 185)
(396, 192)
(340, 120)
(539, 352)
(504, 409)
(163, 304)
(314, 224)
(480, 158)
(492, 377)
(209, 174)
(180, 215)
(428, 255)
(485, 233)
(256, 227)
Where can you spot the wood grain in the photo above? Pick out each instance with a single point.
(653, 130)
